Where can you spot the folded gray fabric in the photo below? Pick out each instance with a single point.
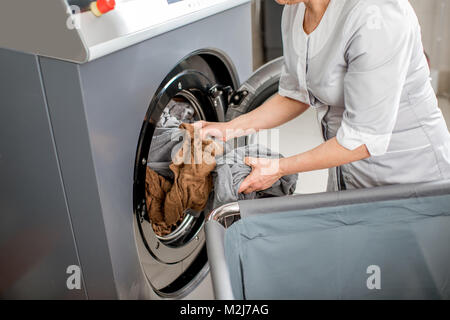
(231, 171)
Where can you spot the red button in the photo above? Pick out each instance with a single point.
(106, 5)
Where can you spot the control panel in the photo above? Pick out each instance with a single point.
(84, 30)
(132, 21)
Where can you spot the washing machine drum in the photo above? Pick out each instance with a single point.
(201, 87)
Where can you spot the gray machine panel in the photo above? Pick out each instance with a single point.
(36, 239)
(39, 27)
(63, 90)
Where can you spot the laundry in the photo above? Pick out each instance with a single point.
(168, 136)
(231, 171)
(176, 112)
(192, 182)
(156, 188)
(165, 143)
(172, 188)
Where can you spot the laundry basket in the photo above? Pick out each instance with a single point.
(388, 242)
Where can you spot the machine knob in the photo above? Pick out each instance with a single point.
(100, 7)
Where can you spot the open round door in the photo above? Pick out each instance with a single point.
(176, 262)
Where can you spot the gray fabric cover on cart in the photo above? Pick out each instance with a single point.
(331, 252)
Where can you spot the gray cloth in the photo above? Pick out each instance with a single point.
(231, 171)
(167, 138)
(165, 143)
(334, 252)
(176, 112)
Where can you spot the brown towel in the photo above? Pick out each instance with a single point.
(192, 184)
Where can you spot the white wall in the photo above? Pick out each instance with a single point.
(434, 17)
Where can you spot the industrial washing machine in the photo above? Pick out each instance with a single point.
(80, 97)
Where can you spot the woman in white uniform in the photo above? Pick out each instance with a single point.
(361, 64)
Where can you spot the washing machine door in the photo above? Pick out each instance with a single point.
(262, 85)
(173, 257)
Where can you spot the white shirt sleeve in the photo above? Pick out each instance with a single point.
(289, 82)
(378, 57)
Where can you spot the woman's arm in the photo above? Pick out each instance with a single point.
(329, 154)
(273, 113)
(265, 172)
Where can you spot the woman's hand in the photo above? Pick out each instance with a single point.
(265, 172)
(218, 130)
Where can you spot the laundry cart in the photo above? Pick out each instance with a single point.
(389, 242)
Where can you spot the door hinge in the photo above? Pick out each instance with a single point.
(237, 97)
(232, 98)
